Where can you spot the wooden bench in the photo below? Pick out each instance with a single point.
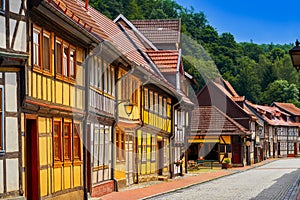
(199, 162)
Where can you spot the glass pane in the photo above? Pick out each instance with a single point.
(58, 58)
(36, 46)
(72, 63)
(46, 52)
(65, 61)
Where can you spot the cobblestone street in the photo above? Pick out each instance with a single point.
(275, 180)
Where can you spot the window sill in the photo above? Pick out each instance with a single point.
(65, 79)
(97, 168)
(77, 162)
(121, 161)
(67, 164)
(41, 71)
(57, 165)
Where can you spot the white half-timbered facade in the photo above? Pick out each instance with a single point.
(13, 57)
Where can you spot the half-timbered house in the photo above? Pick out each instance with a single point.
(13, 58)
(294, 113)
(54, 101)
(215, 93)
(280, 134)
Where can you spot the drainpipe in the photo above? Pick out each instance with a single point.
(115, 123)
(85, 129)
(171, 142)
(136, 174)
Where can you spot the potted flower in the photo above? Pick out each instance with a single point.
(226, 163)
(178, 162)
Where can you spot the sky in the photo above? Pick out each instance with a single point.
(260, 21)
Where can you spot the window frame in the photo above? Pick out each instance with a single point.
(2, 133)
(120, 146)
(65, 70)
(67, 140)
(59, 138)
(40, 66)
(76, 136)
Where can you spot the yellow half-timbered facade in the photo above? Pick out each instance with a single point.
(53, 107)
(153, 145)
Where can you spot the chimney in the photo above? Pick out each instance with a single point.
(86, 4)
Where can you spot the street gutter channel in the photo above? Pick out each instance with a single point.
(293, 191)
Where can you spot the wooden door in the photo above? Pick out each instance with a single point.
(295, 148)
(236, 154)
(160, 163)
(32, 160)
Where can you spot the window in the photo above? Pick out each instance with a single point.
(151, 100)
(134, 91)
(41, 49)
(146, 99)
(164, 109)
(67, 141)
(1, 120)
(153, 148)
(160, 103)
(76, 142)
(46, 51)
(120, 143)
(144, 147)
(57, 141)
(101, 152)
(2, 5)
(58, 56)
(109, 79)
(36, 47)
(155, 102)
(65, 57)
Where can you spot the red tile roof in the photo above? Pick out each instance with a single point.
(122, 38)
(209, 119)
(165, 60)
(272, 115)
(288, 107)
(159, 30)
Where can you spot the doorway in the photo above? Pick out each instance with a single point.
(32, 160)
(160, 163)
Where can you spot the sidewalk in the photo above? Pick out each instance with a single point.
(175, 184)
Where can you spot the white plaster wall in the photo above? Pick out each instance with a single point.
(1, 177)
(12, 174)
(2, 32)
(14, 6)
(20, 43)
(11, 92)
(12, 144)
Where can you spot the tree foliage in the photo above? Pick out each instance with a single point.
(261, 72)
